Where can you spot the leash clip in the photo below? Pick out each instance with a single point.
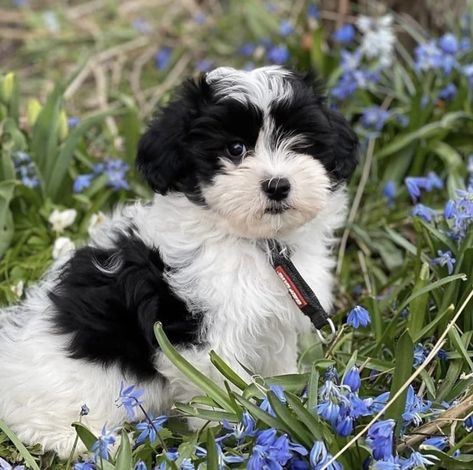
(326, 339)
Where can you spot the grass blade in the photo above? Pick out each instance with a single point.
(29, 460)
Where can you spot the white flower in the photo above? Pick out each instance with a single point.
(378, 38)
(62, 219)
(62, 246)
(17, 288)
(95, 221)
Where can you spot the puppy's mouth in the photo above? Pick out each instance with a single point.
(277, 208)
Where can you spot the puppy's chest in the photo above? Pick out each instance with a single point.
(240, 283)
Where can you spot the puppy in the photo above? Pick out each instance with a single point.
(235, 159)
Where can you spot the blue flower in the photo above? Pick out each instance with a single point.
(82, 182)
(449, 43)
(328, 410)
(344, 426)
(442, 355)
(115, 170)
(203, 65)
(87, 465)
(101, 446)
(25, 169)
(352, 379)
(140, 465)
(247, 49)
(448, 93)
(429, 56)
(424, 212)
(389, 192)
(439, 442)
(84, 410)
(279, 392)
(148, 430)
(162, 58)
(374, 117)
(73, 122)
(319, 458)
(358, 316)
(468, 423)
(418, 460)
(344, 34)
(129, 398)
(278, 54)
(391, 463)
(4, 465)
(358, 407)
(200, 18)
(313, 12)
(420, 354)
(445, 259)
(271, 451)
(414, 408)
(245, 428)
(459, 213)
(142, 26)
(380, 439)
(286, 28)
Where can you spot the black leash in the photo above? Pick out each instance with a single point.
(302, 295)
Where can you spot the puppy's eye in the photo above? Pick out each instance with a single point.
(236, 149)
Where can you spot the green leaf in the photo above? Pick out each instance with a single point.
(313, 388)
(296, 428)
(45, 133)
(29, 460)
(430, 326)
(460, 344)
(311, 421)
(227, 371)
(7, 227)
(55, 177)
(258, 413)
(429, 130)
(418, 304)
(124, 459)
(431, 287)
(131, 132)
(212, 457)
(85, 435)
(193, 374)
(205, 413)
(402, 371)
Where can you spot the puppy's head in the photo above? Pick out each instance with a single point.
(259, 149)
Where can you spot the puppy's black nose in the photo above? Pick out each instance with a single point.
(276, 189)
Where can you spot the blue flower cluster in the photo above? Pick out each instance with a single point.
(355, 75)
(441, 54)
(25, 169)
(341, 406)
(457, 213)
(114, 169)
(428, 183)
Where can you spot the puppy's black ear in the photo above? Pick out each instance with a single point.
(344, 145)
(162, 153)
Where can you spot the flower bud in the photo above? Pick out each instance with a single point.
(32, 111)
(7, 85)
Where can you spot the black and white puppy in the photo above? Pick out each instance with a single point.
(235, 158)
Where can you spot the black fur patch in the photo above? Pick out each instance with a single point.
(111, 314)
(183, 144)
(328, 136)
